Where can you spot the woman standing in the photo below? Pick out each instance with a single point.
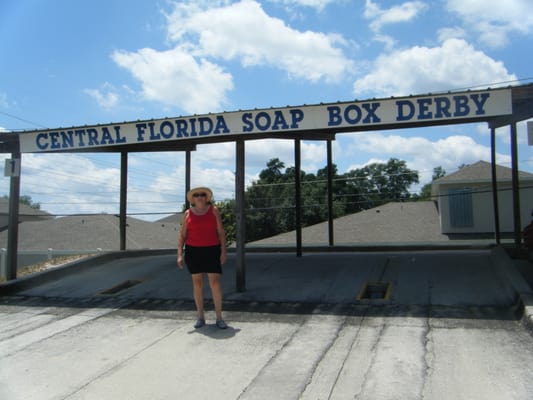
(205, 250)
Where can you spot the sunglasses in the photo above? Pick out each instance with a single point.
(199, 195)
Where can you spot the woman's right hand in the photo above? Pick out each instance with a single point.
(180, 262)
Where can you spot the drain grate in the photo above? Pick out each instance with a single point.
(375, 291)
(119, 288)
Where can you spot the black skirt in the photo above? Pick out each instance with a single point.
(203, 259)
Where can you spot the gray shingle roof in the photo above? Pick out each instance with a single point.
(389, 223)
(481, 171)
(93, 232)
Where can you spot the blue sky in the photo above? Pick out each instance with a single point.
(70, 63)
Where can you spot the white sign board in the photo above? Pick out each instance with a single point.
(12, 167)
(449, 107)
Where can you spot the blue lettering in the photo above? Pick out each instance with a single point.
(182, 128)
(206, 126)
(248, 126)
(80, 133)
(54, 138)
(39, 141)
(140, 132)
(153, 135)
(192, 122)
(166, 125)
(279, 121)
(93, 137)
(106, 136)
(402, 116)
(461, 106)
(262, 126)
(296, 116)
(357, 116)
(480, 102)
(67, 139)
(371, 110)
(442, 107)
(423, 109)
(221, 125)
(118, 138)
(334, 116)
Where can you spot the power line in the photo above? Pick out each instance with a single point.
(23, 120)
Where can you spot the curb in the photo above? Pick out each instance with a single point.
(516, 285)
(526, 302)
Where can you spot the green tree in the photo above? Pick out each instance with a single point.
(379, 183)
(26, 200)
(270, 201)
(227, 212)
(425, 192)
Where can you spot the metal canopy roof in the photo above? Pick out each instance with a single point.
(506, 106)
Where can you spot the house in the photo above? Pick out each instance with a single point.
(465, 199)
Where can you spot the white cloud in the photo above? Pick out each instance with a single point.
(69, 183)
(243, 31)
(422, 154)
(106, 97)
(453, 65)
(404, 12)
(190, 76)
(451, 33)
(319, 5)
(176, 78)
(494, 20)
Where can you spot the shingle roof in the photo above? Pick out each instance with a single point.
(24, 209)
(390, 223)
(481, 171)
(93, 232)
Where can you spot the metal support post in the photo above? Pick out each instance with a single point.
(298, 195)
(240, 266)
(495, 185)
(123, 197)
(13, 223)
(330, 194)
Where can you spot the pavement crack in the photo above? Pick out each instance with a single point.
(354, 340)
(325, 351)
(428, 358)
(272, 359)
(120, 364)
(373, 351)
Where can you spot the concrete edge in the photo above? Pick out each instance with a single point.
(516, 283)
(526, 305)
(30, 281)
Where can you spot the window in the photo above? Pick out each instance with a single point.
(461, 210)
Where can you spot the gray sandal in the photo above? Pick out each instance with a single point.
(199, 323)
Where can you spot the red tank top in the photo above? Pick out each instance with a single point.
(202, 229)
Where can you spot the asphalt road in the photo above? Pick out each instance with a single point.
(451, 330)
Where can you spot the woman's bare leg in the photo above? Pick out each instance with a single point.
(216, 291)
(198, 291)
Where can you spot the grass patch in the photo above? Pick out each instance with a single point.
(46, 265)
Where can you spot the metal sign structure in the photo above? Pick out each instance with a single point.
(498, 107)
(345, 116)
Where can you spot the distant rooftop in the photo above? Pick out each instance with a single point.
(481, 171)
(389, 223)
(94, 232)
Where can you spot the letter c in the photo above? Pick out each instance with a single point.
(42, 136)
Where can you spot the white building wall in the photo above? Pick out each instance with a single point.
(483, 209)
